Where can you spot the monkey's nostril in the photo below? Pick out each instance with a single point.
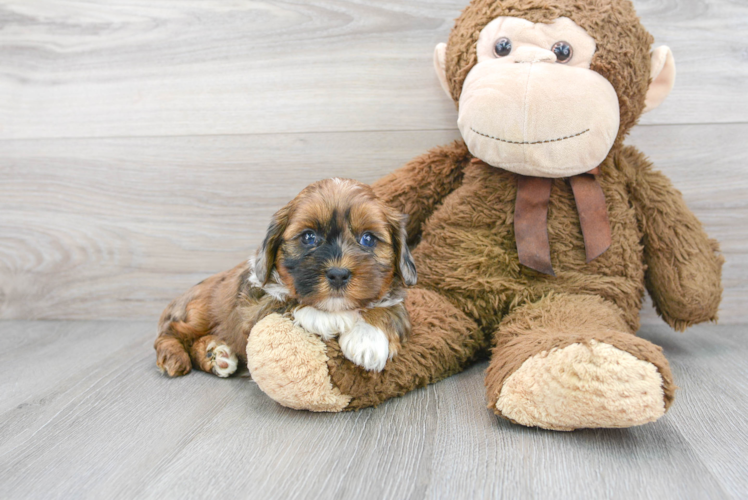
(338, 276)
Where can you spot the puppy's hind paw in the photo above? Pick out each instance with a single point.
(173, 360)
(365, 345)
(223, 361)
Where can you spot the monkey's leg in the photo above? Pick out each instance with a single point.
(568, 362)
(300, 371)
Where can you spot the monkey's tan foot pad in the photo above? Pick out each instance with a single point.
(590, 385)
(223, 362)
(289, 364)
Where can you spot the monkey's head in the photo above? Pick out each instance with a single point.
(547, 89)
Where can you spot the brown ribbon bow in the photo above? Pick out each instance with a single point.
(531, 218)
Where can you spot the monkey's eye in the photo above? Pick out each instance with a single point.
(368, 240)
(563, 52)
(308, 238)
(503, 47)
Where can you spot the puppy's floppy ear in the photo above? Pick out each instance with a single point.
(405, 266)
(266, 255)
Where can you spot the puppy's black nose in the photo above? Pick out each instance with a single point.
(338, 277)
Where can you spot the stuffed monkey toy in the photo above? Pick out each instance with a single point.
(535, 236)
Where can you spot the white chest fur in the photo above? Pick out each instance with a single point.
(325, 324)
(362, 343)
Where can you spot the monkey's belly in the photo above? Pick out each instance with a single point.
(468, 250)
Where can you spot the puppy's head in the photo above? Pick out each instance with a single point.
(336, 247)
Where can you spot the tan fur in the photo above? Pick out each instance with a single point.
(290, 366)
(623, 44)
(583, 385)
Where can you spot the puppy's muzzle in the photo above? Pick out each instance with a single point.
(338, 277)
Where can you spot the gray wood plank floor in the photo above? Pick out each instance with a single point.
(84, 413)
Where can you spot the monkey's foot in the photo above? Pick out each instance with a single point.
(583, 385)
(568, 362)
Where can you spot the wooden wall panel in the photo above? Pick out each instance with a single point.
(144, 146)
(107, 228)
(85, 68)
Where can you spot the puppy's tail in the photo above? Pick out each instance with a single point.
(183, 322)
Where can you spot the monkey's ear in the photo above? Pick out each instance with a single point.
(405, 266)
(266, 255)
(440, 54)
(662, 76)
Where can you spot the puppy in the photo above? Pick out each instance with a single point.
(335, 260)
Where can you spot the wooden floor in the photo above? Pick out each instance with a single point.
(84, 413)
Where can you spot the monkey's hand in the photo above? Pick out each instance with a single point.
(684, 266)
(290, 365)
(417, 188)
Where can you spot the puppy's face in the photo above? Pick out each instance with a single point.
(336, 247)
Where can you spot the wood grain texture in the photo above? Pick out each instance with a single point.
(84, 68)
(84, 413)
(144, 146)
(116, 228)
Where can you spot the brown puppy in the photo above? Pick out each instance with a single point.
(334, 259)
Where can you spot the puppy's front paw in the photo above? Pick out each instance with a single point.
(365, 345)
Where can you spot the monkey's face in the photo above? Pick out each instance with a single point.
(531, 104)
(532, 95)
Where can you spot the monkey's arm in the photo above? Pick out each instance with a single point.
(417, 188)
(684, 265)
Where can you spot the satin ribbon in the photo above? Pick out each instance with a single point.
(531, 218)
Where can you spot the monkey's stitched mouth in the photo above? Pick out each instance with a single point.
(534, 142)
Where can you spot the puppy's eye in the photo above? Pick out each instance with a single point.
(368, 240)
(563, 52)
(502, 47)
(308, 238)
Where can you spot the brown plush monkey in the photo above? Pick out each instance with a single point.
(536, 236)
